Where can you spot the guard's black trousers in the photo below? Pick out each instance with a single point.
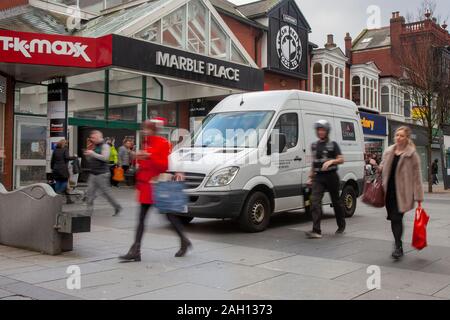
(322, 182)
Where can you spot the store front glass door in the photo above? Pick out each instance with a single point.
(30, 150)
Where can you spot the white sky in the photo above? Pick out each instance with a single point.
(341, 16)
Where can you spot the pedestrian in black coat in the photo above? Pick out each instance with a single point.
(60, 169)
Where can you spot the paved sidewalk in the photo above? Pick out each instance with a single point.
(228, 264)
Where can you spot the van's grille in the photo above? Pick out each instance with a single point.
(193, 180)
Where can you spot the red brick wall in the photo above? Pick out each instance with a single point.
(6, 4)
(183, 115)
(382, 57)
(275, 82)
(247, 35)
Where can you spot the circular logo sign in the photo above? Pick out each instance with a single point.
(289, 48)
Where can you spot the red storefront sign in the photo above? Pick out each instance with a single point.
(55, 50)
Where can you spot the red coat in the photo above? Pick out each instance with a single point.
(157, 163)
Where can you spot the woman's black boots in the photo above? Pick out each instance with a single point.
(398, 252)
(185, 245)
(134, 254)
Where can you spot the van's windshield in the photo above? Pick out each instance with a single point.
(233, 129)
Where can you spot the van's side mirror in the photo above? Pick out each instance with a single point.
(277, 142)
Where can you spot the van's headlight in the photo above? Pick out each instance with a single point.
(222, 177)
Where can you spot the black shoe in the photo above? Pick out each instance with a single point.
(117, 211)
(185, 245)
(134, 254)
(398, 253)
(340, 230)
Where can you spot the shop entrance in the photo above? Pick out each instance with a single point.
(30, 150)
(2, 141)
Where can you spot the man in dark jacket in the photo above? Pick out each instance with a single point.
(98, 162)
(60, 170)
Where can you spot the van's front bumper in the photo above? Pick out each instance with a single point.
(222, 204)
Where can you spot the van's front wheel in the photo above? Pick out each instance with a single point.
(349, 199)
(256, 213)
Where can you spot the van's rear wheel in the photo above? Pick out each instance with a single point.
(256, 213)
(349, 199)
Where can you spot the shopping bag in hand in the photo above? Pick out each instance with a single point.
(373, 194)
(419, 240)
(169, 197)
(119, 175)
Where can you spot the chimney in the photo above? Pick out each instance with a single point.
(348, 46)
(396, 29)
(330, 42)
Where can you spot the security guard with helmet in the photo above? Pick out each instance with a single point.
(323, 177)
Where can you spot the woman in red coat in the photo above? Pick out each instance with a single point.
(152, 161)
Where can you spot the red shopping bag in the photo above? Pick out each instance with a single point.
(419, 240)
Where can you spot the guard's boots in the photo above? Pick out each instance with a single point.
(185, 245)
(134, 254)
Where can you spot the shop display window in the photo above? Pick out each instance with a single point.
(30, 99)
(167, 111)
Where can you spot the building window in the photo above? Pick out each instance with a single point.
(341, 83)
(407, 105)
(376, 106)
(219, 41)
(151, 33)
(331, 79)
(317, 78)
(197, 26)
(356, 90)
(30, 99)
(173, 26)
(385, 99)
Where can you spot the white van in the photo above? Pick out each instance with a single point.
(249, 177)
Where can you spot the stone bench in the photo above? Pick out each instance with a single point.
(31, 218)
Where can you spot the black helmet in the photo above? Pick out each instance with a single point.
(322, 124)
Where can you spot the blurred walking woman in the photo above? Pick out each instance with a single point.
(60, 169)
(402, 183)
(152, 161)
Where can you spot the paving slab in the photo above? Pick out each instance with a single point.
(400, 279)
(222, 275)
(4, 294)
(444, 293)
(50, 274)
(35, 292)
(313, 266)
(299, 287)
(189, 291)
(244, 255)
(394, 295)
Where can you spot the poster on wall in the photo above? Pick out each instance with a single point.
(57, 95)
(288, 40)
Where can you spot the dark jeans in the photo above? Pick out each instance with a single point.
(322, 182)
(61, 186)
(174, 220)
